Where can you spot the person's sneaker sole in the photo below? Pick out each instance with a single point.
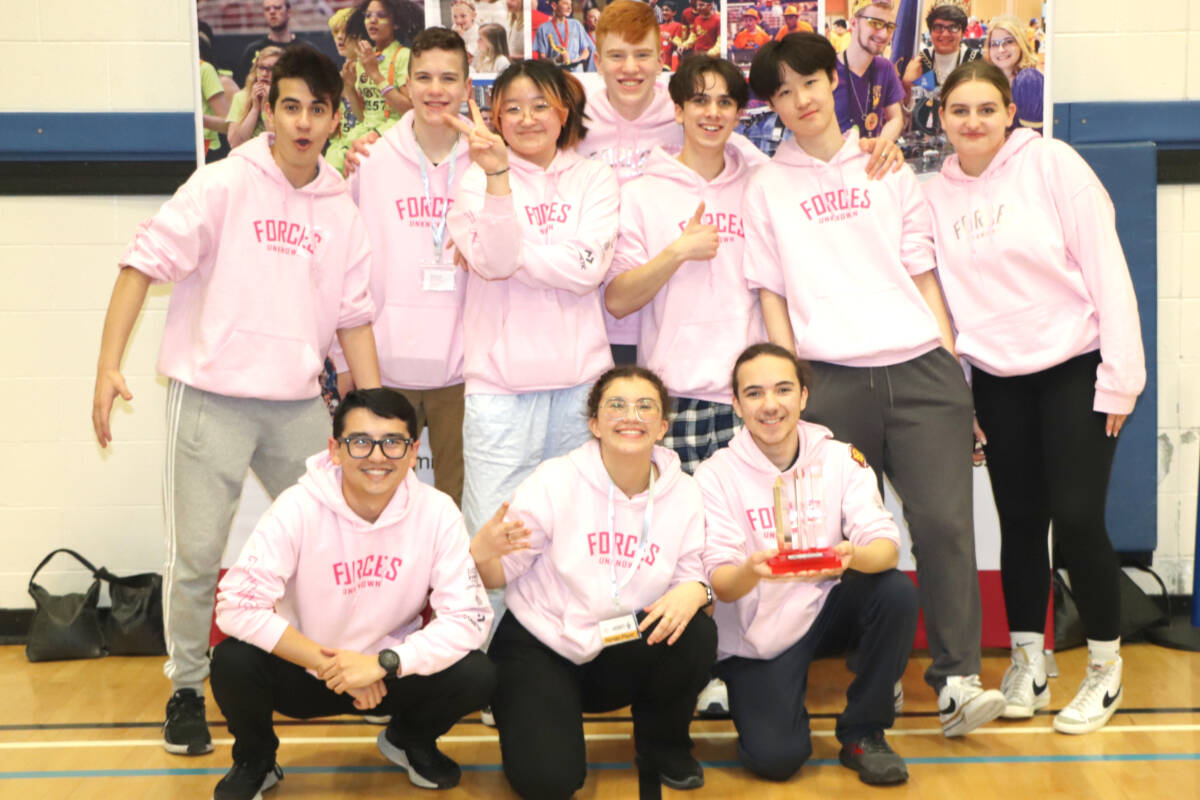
(400, 759)
(984, 708)
(1026, 712)
(269, 782)
(187, 749)
(1076, 728)
(896, 775)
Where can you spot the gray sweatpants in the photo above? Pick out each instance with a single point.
(913, 423)
(212, 440)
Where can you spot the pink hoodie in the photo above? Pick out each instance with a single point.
(561, 587)
(1033, 271)
(737, 484)
(419, 332)
(625, 146)
(314, 564)
(842, 250)
(705, 315)
(537, 257)
(265, 274)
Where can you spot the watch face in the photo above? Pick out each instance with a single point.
(389, 661)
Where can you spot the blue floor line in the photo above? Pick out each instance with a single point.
(617, 765)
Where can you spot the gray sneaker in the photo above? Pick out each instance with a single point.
(874, 760)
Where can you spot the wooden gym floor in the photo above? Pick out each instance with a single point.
(90, 729)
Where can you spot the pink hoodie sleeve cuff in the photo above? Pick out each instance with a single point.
(1113, 402)
(409, 659)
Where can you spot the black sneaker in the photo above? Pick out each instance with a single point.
(676, 768)
(185, 732)
(247, 780)
(874, 760)
(427, 767)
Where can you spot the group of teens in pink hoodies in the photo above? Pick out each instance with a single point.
(523, 241)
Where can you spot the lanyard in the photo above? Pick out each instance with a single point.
(861, 108)
(563, 38)
(647, 517)
(439, 229)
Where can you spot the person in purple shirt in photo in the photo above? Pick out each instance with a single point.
(869, 93)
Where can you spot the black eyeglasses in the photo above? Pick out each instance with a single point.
(393, 447)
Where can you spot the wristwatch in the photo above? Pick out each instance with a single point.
(708, 595)
(390, 661)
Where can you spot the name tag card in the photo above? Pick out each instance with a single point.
(437, 277)
(619, 629)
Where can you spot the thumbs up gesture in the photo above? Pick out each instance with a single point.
(698, 242)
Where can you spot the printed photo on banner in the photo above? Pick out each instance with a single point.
(240, 43)
(933, 37)
(751, 25)
(493, 30)
(564, 33)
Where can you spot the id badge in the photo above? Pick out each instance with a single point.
(617, 630)
(437, 277)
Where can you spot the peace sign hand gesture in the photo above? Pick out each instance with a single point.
(487, 149)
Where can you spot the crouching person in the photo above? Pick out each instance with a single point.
(324, 605)
(770, 627)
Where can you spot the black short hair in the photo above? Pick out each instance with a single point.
(626, 371)
(408, 19)
(688, 80)
(440, 39)
(562, 89)
(386, 403)
(803, 370)
(313, 67)
(946, 13)
(804, 53)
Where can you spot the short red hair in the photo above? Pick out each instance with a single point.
(629, 19)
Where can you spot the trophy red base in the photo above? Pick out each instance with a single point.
(788, 561)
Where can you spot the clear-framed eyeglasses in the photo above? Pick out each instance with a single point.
(646, 409)
(392, 447)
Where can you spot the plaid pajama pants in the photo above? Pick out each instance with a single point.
(700, 428)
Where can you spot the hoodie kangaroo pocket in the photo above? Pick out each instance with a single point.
(276, 364)
(416, 343)
(538, 349)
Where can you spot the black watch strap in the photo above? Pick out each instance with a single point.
(708, 601)
(390, 661)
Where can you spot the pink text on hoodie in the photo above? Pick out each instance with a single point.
(265, 274)
(842, 250)
(625, 145)
(560, 588)
(1032, 268)
(537, 256)
(737, 484)
(314, 564)
(419, 332)
(705, 315)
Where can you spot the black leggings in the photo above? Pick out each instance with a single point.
(1049, 461)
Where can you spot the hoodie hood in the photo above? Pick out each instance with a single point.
(562, 161)
(666, 165)
(586, 459)
(323, 480)
(813, 438)
(257, 151)
(1016, 142)
(649, 125)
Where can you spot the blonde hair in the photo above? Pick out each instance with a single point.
(251, 76)
(339, 18)
(1012, 26)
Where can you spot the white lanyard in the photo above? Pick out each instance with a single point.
(647, 517)
(439, 229)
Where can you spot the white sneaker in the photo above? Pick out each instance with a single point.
(487, 717)
(964, 705)
(714, 699)
(898, 697)
(1025, 691)
(1098, 698)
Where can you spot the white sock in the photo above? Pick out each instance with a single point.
(1103, 652)
(1031, 646)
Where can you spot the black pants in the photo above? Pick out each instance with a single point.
(875, 615)
(542, 696)
(913, 423)
(249, 684)
(1049, 461)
